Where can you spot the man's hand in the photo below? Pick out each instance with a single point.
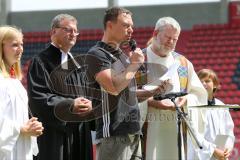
(181, 101)
(81, 105)
(161, 89)
(32, 127)
(218, 154)
(227, 152)
(165, 104)
(137, 56)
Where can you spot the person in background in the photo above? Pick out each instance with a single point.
(18, 133)
(217, 122)
(161, 135)
(47, 89)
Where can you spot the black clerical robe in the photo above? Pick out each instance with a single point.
(60, 140)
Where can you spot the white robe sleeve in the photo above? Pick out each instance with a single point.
(198, 122)
(197, 95)
(228, 125)
(9, 130)
(229, 129)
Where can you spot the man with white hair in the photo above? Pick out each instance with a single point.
(161, 138)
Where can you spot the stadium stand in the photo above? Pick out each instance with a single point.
(214, 46)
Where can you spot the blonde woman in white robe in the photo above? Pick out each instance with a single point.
(217, 122)
(17, 132)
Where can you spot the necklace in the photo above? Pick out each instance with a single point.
(12, 72)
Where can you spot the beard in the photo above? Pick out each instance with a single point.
(162, 48)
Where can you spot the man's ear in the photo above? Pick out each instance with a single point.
(53, 31)
(109, 24)
(155, 32)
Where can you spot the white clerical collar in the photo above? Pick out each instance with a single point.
(64, 57)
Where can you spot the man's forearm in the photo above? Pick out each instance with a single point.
(143, 95)
(122, 80)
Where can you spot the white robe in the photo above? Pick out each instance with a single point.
(13, 114)
(217, 122)
(161, 141)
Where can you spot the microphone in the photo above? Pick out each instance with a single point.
(169, 95)
(133, 46)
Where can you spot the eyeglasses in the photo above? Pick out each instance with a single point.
(69, 30)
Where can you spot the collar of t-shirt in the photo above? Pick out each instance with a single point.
(108, 47)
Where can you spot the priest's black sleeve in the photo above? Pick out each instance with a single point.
(42, 99)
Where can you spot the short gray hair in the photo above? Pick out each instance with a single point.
(167, 21)
(57, 20)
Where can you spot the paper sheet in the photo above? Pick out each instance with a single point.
(221, 141)
(167, 76)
